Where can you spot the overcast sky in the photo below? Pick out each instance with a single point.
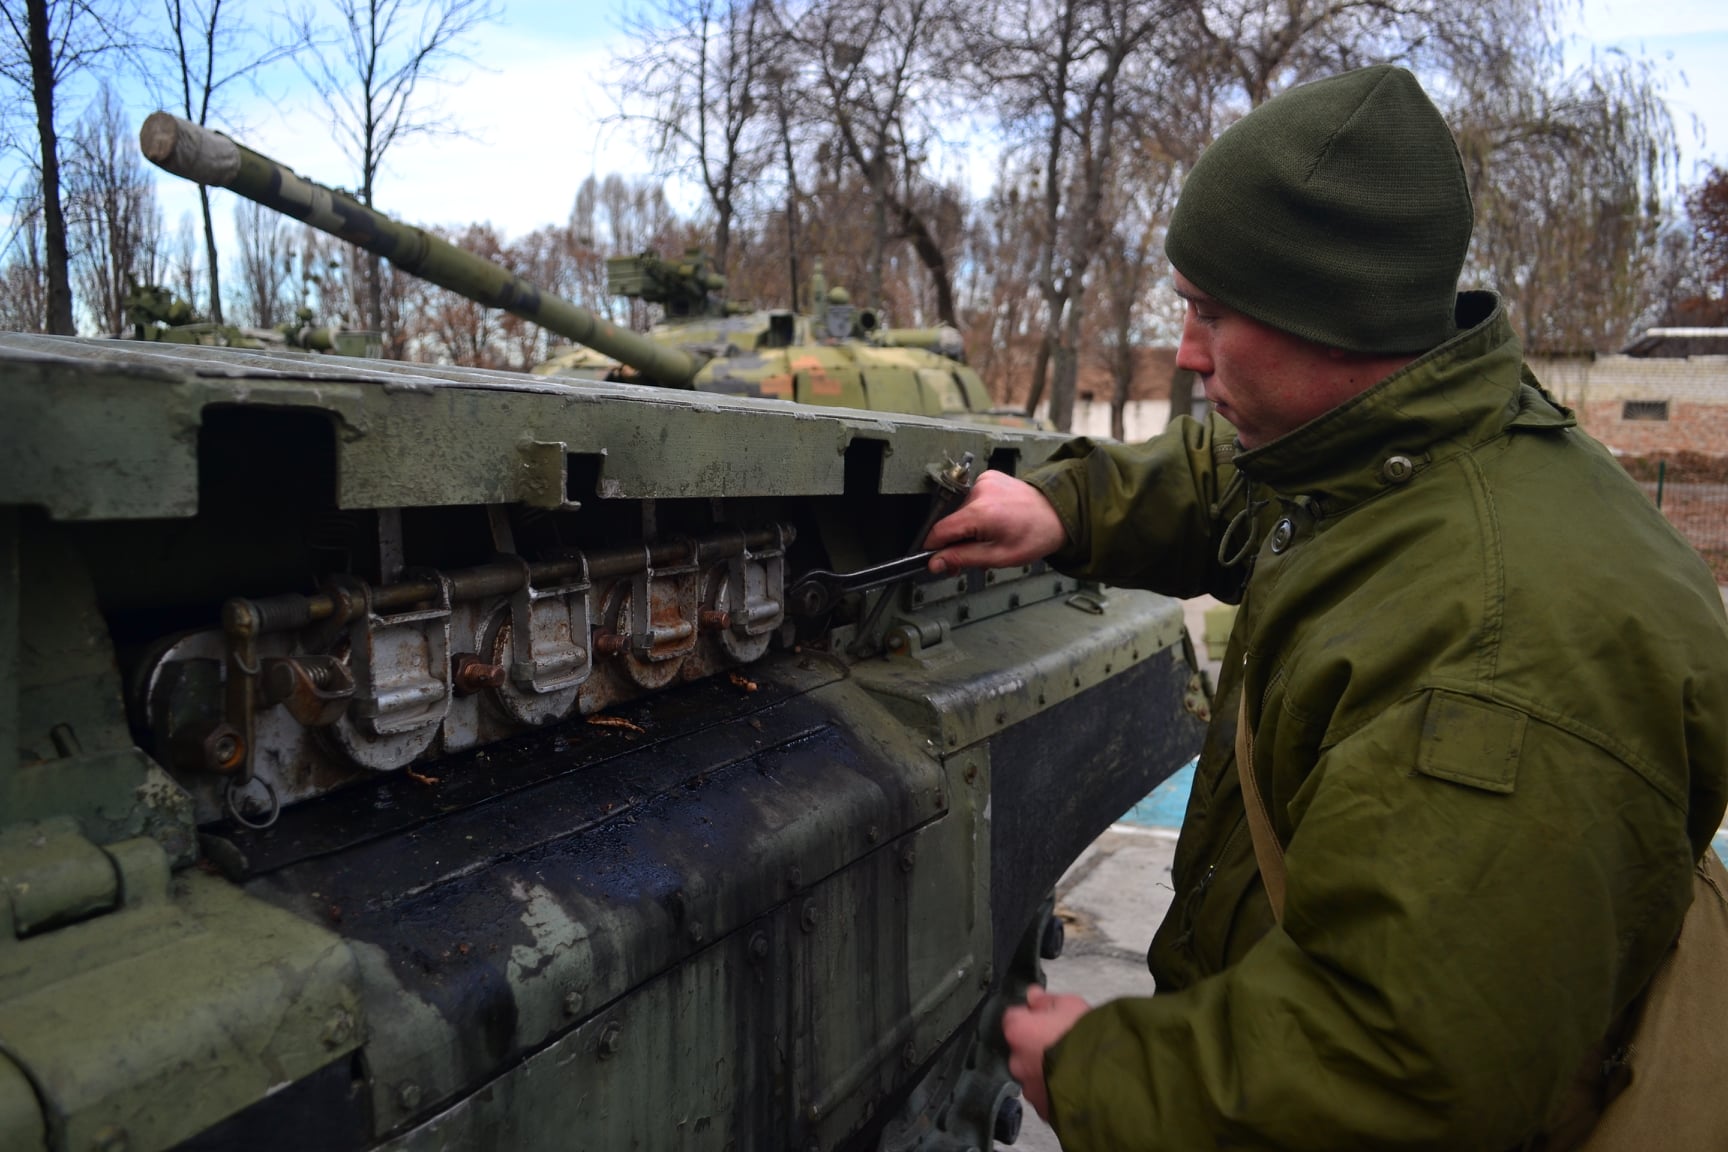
(535, 105)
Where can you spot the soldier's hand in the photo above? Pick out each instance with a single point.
(1004, 523)
(1032, 1029)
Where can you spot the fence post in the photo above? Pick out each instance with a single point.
(1661, 476)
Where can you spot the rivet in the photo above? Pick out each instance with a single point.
(611, 1039)
(408, 1095)
(807, 916)
(1282, 532)
(697, 932)
(795, 875)
(572, 1002)
(758, 947)
(908, 858)
(872, 833)
(1397, 469)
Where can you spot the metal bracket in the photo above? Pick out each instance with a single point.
(756, 588)
(550, 634)
(668, 641)
(401, 665)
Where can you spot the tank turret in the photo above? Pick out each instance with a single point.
(209, 158)
(842, 356)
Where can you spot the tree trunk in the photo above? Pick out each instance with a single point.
(1182, 392)
(935, 262)
(1040, 373)
(1067, 371)
(1123, 384)
(210, 255)
(57, 256)
(791, 214)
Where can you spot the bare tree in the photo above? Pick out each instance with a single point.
(211, 50)
(112, 213)
(267, 261)
(885, 72)
(1133, 260)
(1064, 71)
(1568, 171)
(372, 82)
(615, 216)
(46, 44)
(23, 279)
(181, 268)
(1707, 209)
(698, 82)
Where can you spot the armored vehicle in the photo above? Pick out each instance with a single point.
(842, 356)
(399, 757)
(157, 313)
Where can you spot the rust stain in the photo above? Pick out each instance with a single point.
(420, 777)
(617, 722)
(739, 680)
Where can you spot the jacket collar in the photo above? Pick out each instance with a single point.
(1456, 395)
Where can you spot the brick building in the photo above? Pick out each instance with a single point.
(1666, 393)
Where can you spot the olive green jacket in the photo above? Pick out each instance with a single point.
(1489, 691)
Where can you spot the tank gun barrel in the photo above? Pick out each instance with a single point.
(205, 157)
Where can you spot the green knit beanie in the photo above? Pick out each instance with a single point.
(1336, 211)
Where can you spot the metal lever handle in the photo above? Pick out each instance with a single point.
(819, 591)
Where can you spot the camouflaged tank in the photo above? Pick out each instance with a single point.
(402, 757)
(840, 357)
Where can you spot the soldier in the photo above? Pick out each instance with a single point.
(1484, 686)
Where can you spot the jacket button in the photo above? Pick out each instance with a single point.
(1397, 469)
(1282, 533)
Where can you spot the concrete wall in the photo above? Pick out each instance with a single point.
(1695, 388)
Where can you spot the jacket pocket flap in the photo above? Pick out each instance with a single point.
(1471, 741)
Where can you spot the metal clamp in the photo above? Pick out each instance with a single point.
(661, 642)
(401, 665)
(550, 640)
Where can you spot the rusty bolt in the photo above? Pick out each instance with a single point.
(908, 858)
(111, 1138)
(212, 746)
(610, 643)
(611, 1039)
(971, 773)
(473, 674)
(408, 1095)
(758, 947)
(713, 620)
(572, 1002)
(807, 916)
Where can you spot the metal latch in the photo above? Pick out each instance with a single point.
(549, 633)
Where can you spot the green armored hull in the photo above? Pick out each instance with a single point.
(401, 757)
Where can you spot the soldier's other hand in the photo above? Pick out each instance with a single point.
(1030, 1030)
(1004, 523)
